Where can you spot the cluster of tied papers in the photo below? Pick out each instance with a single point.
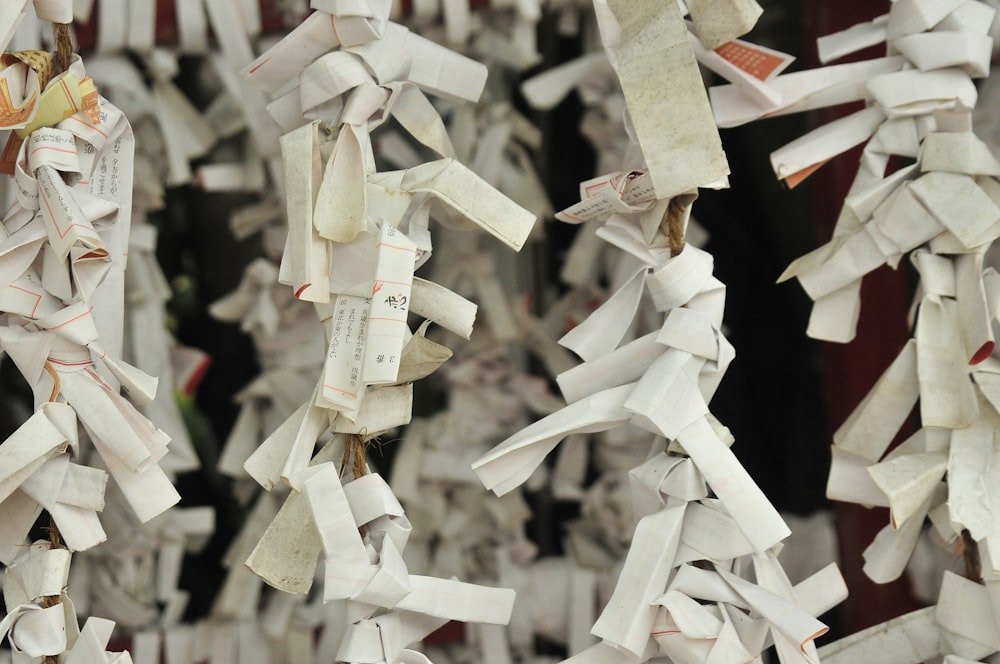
(290, 339)
(926, 188)
(701, 580)
(359, 273)
(69, 153)
(355, 238)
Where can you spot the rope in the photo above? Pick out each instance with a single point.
(672, 225)
(55, 542)
(970, 552)
(359, 453)
(63, 56)
(355, 447)
(61, 60)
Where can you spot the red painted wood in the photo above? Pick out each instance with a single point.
(166, 24)
(166, 21)
(450, 632)
(851, 370)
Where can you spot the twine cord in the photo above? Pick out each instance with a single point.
(55, 541)
(63, 55)
(48, 601)
(970, 553)
(355, 448)
(672, 225)
(61, 59)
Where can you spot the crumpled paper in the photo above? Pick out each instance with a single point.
(941, 210)
(662, 382)
(355, 238)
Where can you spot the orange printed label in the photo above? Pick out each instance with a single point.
(755, 62)
(11, 115)
(91, 100)
(40, 61)
(65, 96)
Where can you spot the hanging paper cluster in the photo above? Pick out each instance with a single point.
(926, 188)
(65, 242)
(135, 584)
(684, 589)
(654, 352)
(355, 238)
